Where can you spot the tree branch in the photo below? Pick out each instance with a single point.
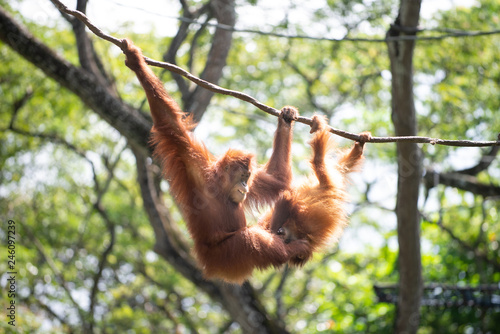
(445, 32)
(483, 256)
(169, 56)
(110, 225)
(132, 124)
(461, 181)
(224, 12)
(49, 310)
(86, 51)
(57, 273)
(82, 17)
(270, 110)
(483, 164)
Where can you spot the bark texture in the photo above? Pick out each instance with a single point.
(409, 169)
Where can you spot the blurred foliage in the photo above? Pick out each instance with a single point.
(62, 157)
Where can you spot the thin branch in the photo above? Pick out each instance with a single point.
(19, 103)
(194, 41)
(278, 294)
(481, 255)
(485, 162)
(454, 34)
(461, 181)
(49, 310)
(169, 56)
(185, 318)
(82, 17)
(445, 32)
(110, 225)
(57, 273)
(268, 109)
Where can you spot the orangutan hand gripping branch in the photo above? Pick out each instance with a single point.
(212, 192)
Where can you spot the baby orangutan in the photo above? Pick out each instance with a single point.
(315, 210)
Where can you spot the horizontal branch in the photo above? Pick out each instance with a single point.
(414, 37)
(461, 181)
(444, 32)
(247, 98)
(465, 243)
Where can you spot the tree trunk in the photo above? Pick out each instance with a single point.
(409, 168)
(128, 121)
(225, 13)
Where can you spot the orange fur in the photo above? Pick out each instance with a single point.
(226, 248)
(315, 211)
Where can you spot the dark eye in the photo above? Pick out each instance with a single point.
(281, 231)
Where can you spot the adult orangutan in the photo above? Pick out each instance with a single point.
(212, 192)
